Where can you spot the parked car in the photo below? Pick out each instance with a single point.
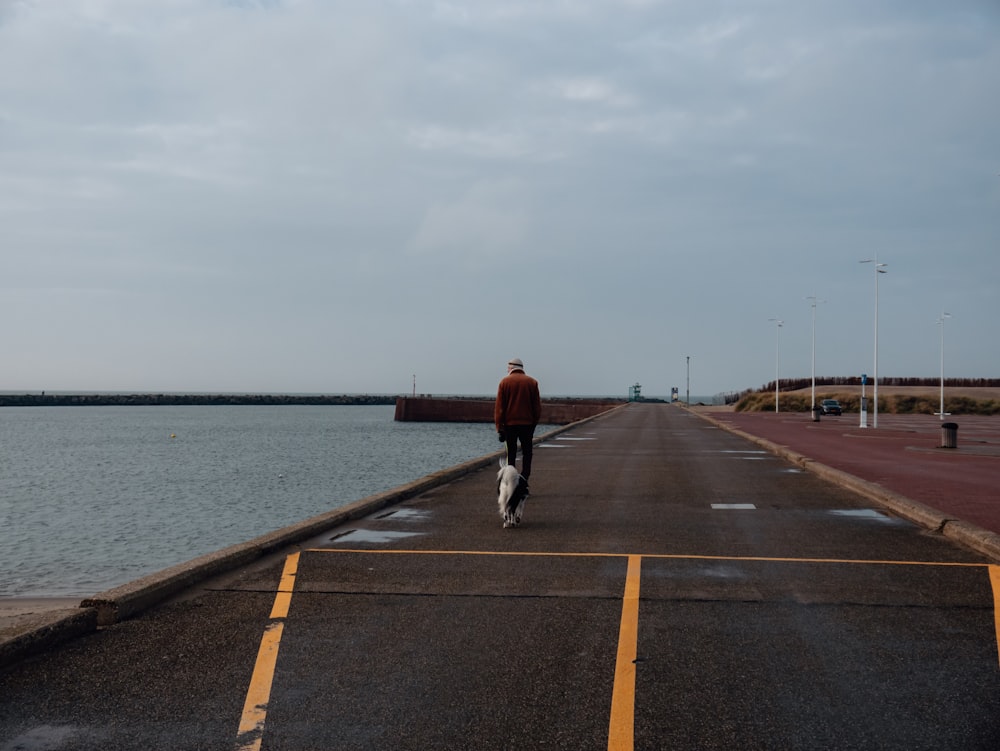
(830, 407)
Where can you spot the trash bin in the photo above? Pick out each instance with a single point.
(949, 435)
(816, 413)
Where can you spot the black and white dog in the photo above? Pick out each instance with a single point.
(512, 493)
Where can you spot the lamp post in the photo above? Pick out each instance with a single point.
(688, 397)
(814, 301)
(879, 269)
(777, 361)
(940, 322)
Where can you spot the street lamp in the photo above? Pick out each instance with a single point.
(688, 398)
(815, 300)
(879, 269)
(940, 322)
(777, 330)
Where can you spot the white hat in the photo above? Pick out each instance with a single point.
(516, 363)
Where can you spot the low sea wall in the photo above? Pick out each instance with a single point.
(145, 400)
(561, 411)
(458, 409)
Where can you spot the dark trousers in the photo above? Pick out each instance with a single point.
(524, 434)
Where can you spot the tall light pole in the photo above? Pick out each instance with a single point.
(777, 360)
(688, 398)
(814, 301)
(940, 322)
(879, 269)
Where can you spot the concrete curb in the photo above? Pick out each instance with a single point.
(978, 539)
(43, 631)
(981, 540)
(128, 600)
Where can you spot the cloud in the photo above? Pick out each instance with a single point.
(291, 182)
(486, 224)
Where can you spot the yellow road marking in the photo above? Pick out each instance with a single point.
(663, 556)
(283, 599)
(621, 730)
(995, 581)
(251, 730)
(994, 570)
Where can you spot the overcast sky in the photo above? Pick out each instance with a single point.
(335, 197)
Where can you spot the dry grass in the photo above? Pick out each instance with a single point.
(970, 392)
(891, 399)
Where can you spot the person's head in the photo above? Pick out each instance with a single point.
(515, 364)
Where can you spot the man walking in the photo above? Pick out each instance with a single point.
(517, 411)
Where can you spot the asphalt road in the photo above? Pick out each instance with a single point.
(673, 586)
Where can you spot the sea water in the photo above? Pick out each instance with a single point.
(94, 497)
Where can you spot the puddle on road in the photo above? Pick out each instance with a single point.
(720, 572)
(864, 513)
(42, 738)
(696, 572)
(406, 514)
(373, 536)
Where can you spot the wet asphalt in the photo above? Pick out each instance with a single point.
(672, 586)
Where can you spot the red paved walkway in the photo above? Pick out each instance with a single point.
(902, 455)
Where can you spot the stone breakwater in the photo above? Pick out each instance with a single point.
(555, 411)
(145, 400)
(480, 409)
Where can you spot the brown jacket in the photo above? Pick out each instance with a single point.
(518, 401)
